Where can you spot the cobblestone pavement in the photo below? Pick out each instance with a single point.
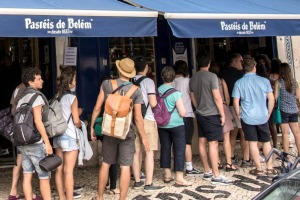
(245, 185)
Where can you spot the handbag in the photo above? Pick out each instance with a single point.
(98, 126)
(50, 162)
(276, 115)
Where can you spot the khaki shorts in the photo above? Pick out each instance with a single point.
(151, 134)
(236, 121)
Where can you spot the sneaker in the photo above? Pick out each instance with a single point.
(78, 188)
(152, 187)
(137, 185)
(261, 159)
(193, 172)
(76, 195)
(246, 163)
(142, 176)
(221, 180)
(207, 175)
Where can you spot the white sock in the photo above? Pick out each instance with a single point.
(189, 165)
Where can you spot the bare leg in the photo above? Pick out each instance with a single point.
(70, 158)
(203, 154)
(27, 187)
(295, 130)
(273, 131)
(285, 136)
(267, 149)
(214, 157)
(233, 135)
(167, 173)
(227, 148)
(136, 167)
(124, 181)
(16, 175)
(45, 188)
(255, 154)
(188, 153)
(244, 145)
(149, 167)
(59, 178)
(103, 178)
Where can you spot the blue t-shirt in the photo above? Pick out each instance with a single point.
(176, 119)
(252, 91)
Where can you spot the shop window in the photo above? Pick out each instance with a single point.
(131, 47)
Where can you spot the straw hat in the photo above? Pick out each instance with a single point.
(126, 67)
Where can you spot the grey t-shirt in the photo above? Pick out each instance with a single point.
(201, 84)
(137, 97)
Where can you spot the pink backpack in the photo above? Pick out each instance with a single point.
(161, 114)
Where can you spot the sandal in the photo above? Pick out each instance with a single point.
(113, 191)
(256, 172)
(168, 180)
(182, 184)
(230, 168)
(272, 172)
(220, 166)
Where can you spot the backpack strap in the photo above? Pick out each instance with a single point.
(166, 94)
(138, 82)
(130, 92)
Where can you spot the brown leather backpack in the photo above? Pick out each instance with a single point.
(117, 115)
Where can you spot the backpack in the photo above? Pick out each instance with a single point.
(24, 131)
(161, 114)
(6, 120)
(137, 83)
(117, 115)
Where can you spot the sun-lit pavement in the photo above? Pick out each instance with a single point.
(245, 185)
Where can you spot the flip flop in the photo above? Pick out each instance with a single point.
(168, 180)
(113, 191)
(182, 184)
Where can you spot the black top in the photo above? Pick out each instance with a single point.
(231, 75)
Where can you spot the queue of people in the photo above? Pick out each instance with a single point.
(237, 100)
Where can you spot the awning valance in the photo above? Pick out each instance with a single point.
(75, 18)
(228, 18)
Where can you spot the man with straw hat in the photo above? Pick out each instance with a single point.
(115, 150)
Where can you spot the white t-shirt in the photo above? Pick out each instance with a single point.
(182, 84)
(148, 88)
(38, 101)
(66, 102)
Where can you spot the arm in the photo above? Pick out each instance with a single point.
(270, 97)
(139, 123)
(96, 112)
(152, 100)
(219, 104)
(180, 107)
(37, 117)
(276, 90)
(297, 92)
(193, 99)
(236, 106)
(75, 113)
(226, 93)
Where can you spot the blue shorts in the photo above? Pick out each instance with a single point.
(65, 143)
(31, 156)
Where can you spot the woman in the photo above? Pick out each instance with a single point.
(66, 145)
(287, 90)
(173, 133)
(228, 126)
(181, 83)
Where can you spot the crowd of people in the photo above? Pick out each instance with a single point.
(237, 100)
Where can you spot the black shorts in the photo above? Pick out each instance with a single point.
(189, 129)
(288, 118)
(209, 127)
(260, 133)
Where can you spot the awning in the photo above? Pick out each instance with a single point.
(228, 18)
(75, 18)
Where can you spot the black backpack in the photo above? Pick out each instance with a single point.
(24, 130)
(137, 83)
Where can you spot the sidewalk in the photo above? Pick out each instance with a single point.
(245, 185)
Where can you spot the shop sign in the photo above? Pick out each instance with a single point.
(244, 28)
(179, 52)
(70, 56)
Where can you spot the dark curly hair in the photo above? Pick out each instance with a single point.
(66, 77)
(29, 75)
(181, 68)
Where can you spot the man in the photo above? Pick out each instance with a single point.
(206, 98)
(115, 150)
(33, 153)
(253, 91)
(231, 74)
(148, 89)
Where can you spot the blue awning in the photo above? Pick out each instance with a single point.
(228, 18)
(75, 18)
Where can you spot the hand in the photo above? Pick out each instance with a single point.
(93, 136)
(48, 149)
(146, 144)
(222, 119)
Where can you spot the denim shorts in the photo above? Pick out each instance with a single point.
(65, 143)
(31, 156)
